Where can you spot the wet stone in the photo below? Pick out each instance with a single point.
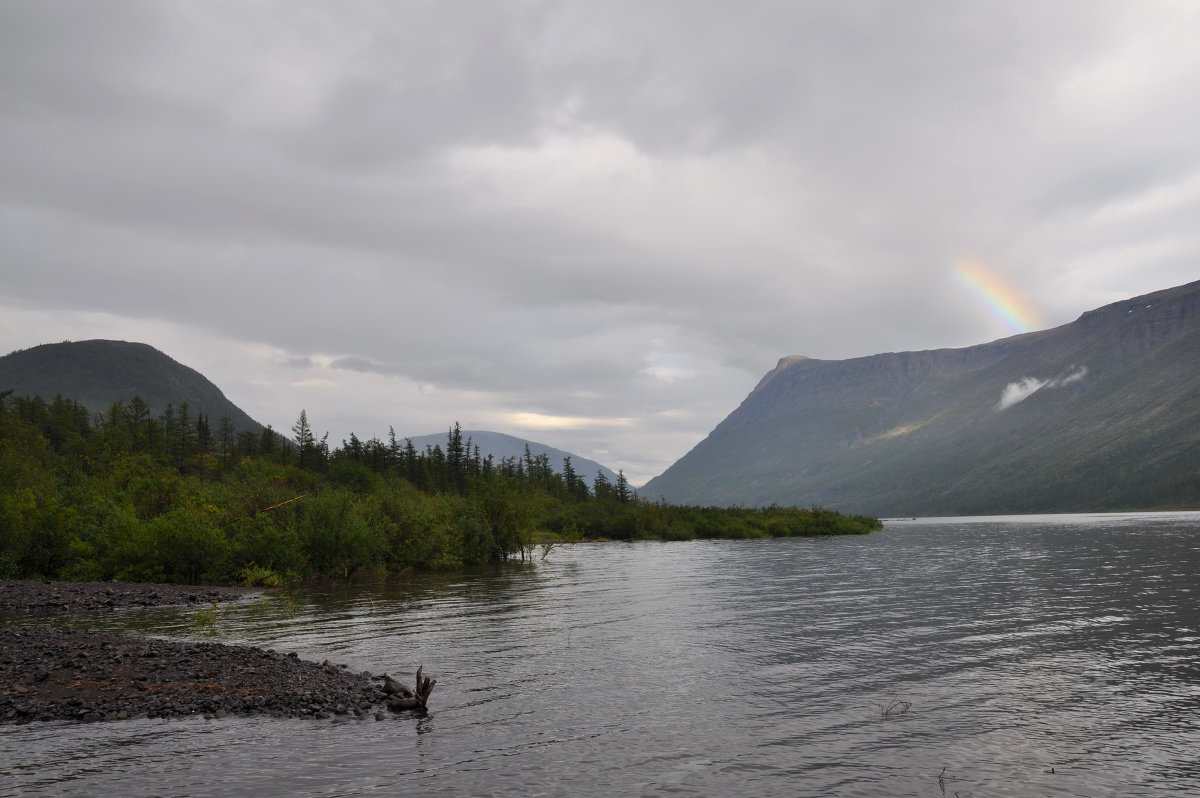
(28, 595)
(165, 678)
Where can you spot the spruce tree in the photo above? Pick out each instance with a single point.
(456, 460)
(411, 465)
(226, 434)
(247, 443)
(137, 416)
(302, 436)
(203, 442)
(622, 491)
(393, 451)
(570, 477)
(601, 486)
(268, 444)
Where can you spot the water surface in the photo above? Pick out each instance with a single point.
(1053, 655)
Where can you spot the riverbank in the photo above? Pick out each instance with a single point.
(60, 674)
(44, 596)
(79, 675)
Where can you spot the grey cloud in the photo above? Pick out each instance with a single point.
(61, 59)
(362, 364)
(452, 73)
(285, 174)
(1022, 389)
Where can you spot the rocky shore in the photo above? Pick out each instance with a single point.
(57, 674)
(79, 675)
(35, 595)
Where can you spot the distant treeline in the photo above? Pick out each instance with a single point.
(175, 498)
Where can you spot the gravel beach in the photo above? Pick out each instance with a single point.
(36, 595)
(79, 675)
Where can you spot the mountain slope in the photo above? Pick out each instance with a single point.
(1099, 414)
(500, 446)
(97, 373)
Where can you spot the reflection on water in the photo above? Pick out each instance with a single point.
(740, 668)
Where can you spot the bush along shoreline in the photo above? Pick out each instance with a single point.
(128, 497)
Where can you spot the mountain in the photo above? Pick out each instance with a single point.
(500, 446)
(98, 373)
(1099, 414)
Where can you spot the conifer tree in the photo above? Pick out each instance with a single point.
(137, 416)
(321, 453)
(411, 466)
(456, 460)
(436, 460)
(601, 486)
(622, 491)
(354, 449)
(575, 485)
(528, 462)
(302, 436)
(113, 416)
(247, 443)
(394, 451)
(267, 442)
(181, 435)
(226, 434)
(203, 442)
(115, 430)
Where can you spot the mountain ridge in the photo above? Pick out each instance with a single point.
(501, 445)
(98, 372)
(1100, 410)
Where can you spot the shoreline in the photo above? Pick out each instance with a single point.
(48, 673)
(19, 596)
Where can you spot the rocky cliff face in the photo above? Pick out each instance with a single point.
(1102, 413)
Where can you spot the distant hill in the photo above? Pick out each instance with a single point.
(500, 446)
(98, 373)
(1099, 414)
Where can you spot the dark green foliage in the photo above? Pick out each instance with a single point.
(163, 499)
(352, 474)
(622, 492)
(308, 452)
(98, 373)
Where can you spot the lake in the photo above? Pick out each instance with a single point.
(1031, 656)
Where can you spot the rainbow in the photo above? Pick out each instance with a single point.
(1001, 300)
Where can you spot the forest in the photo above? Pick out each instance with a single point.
(125, 495)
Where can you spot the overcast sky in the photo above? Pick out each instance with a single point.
(595, 225)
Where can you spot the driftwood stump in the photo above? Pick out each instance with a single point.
(406, 697)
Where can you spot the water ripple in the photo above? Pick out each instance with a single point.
(1036, 657)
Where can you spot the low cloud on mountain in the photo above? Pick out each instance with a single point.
(1022, 389)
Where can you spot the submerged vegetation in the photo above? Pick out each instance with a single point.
(127, 496)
